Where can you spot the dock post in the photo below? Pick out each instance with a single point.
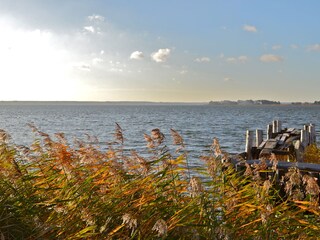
(275, 126)
(298, 147)
(269, 131)
(304, 138)
(259, 137)
(312, 133)
(249, 143)
(279, 126)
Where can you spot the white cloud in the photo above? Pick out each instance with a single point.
(271, 58)
(96, 18)
(240, 59)
(202, 59)
(96, 61)
(294, 46)
(276, 47)
(249, 28)
(183, 72)
(101, 52)
(161, 55)
(89, 29)
(137, 55)
(315, 47)
(227, 79)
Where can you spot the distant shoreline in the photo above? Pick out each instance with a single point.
(259, 103)
(211, 103)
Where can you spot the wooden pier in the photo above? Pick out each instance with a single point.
(287, 144)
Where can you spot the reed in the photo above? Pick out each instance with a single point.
(312, 154)
(56, 190)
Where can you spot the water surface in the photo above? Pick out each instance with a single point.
(198, 124)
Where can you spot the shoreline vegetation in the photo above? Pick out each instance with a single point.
(53, 189)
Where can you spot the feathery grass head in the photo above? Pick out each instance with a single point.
(119, 134)
(177, 139)
(157, 135)
(149, 140)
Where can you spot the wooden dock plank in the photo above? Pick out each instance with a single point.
(262, 144)
(290, 130)
(271, 144)
(282, 139)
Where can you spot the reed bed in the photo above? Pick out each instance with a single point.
(56, 190)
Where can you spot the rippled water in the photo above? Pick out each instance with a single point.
(198, 124)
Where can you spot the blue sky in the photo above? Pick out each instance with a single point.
(172, 51)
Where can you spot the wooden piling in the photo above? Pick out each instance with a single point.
(269, 131)
(274, 126)
(298, 148)
(304, 138)
(259, 137)
(307, 136)
(249, 143)
(279, 126)
(312, 133)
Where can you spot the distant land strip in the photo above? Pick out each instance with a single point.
(224, 102)
(260, 102)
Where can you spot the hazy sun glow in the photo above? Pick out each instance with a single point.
(32, 66)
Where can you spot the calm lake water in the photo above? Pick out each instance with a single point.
(198, 124)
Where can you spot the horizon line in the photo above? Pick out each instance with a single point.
(147, 102)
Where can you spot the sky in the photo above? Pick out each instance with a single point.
(162, 51)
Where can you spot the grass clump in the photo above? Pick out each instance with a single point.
(56, 190)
